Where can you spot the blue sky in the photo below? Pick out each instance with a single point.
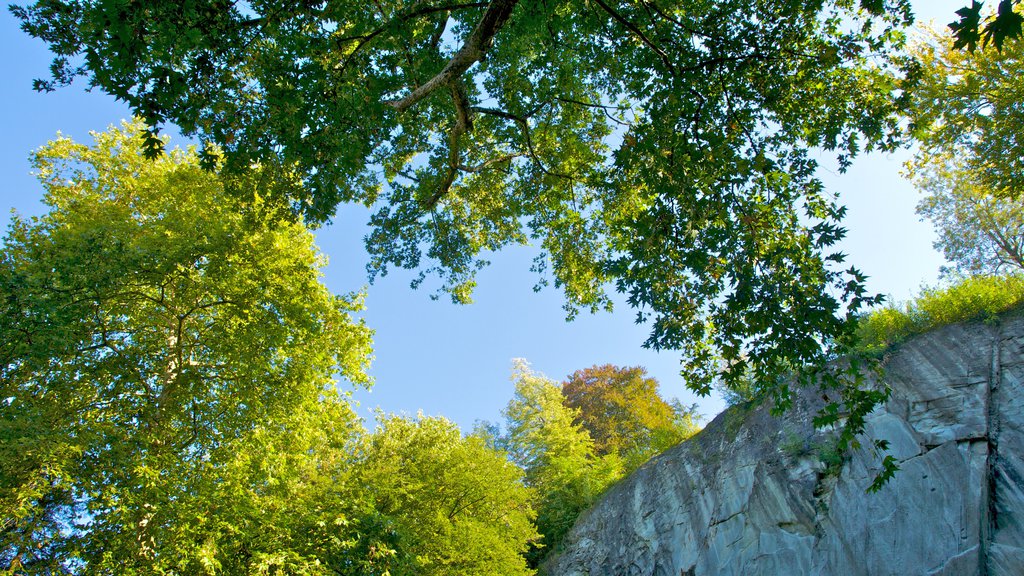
(442, 359)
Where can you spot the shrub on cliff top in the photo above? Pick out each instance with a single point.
(971, 298)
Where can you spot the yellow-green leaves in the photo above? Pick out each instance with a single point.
(151, 324)
(966, 299)
(556, 454)
(428, 501)
(967, 115)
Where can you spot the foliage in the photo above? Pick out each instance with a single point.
(557, 455)
(263, 511)
(981, 230)
(967, 115)
(1002, 25)
(659, 147)
(623, 413)
(169, 403)
(978, 232)
(431, 502)
(150, 324)
(826, 450)
(971, 298)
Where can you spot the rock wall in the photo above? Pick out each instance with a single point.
(758, 495)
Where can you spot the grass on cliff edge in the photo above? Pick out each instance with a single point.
(972, 298)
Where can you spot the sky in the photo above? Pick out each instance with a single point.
(432, 356)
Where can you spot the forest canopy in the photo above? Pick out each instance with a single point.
(169, 360)
(653, 147)
(173, 395)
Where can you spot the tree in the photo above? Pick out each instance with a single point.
(967, 115)
(556, 454)
(978, 232)
(624, 414)
(654, 146)
(432, 502)
(152, 329)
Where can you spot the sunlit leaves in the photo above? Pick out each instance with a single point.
(968, 115)
(151, 325)
(624, 414)
(556, 454)
(425, 500)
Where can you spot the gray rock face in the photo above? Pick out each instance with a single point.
(753, 495)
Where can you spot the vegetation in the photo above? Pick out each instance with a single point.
(150, 323)
(999, 26)
(548, 437)
(972, 298)
(978, 232)
(424, 500)
(623, 413)
(967, 117)
(657, 147)
(556, 454)
(169, 359)
(168, 401)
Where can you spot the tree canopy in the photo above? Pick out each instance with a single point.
(978, 232)
(968, 116)
(149, 322)
(655, 146)
(624, 414)
(967, 111)
(556, 454)
(169, 399)
(434, 503)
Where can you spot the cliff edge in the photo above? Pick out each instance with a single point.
(758, 495)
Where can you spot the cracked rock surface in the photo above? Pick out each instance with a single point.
(753, 494)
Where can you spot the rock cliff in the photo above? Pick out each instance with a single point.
(758, 495)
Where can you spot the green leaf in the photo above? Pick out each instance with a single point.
(1006, 25)
(966, 31)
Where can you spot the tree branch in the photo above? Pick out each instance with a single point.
(525, 127)
(639, 33)
(463, 124)
(365, 39)
(483, 165)
(476, 46)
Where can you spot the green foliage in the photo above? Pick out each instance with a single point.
(169, 403)
(621, 410)
(979, 232)
(973, 298)
(827, 450)
(660, 147)
(889, 469)
(1004, 24)
(967, 117)
(431, 502)
(557, 455)
(150, 323)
